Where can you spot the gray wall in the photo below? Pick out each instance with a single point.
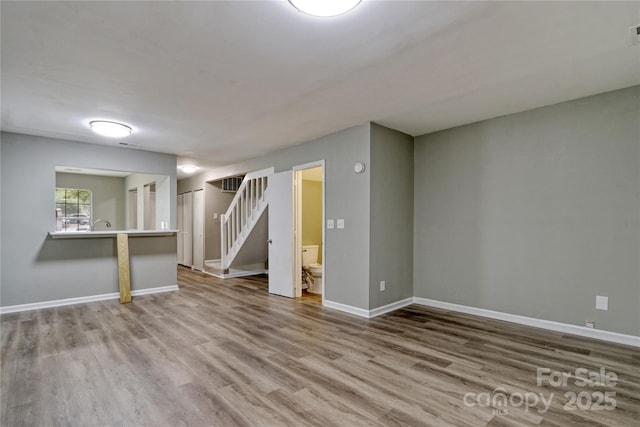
(391, 228)
(256, 248)
(36, 268)
(535, 213)
(347, 196)
(107, 196)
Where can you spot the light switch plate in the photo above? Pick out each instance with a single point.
(602, 303)
(340, 223)
(329, 223)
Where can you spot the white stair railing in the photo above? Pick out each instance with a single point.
(244, 212)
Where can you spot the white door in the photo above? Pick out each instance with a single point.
(188, 237)
(281, 234)
(198, 230)
(180, 214)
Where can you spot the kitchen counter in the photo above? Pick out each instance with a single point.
(109, 233)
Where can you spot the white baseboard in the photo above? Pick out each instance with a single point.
(82, 300)
(390, 307)
(513, 318)
(235, 274)
(536, 323)
(346, 308)
(158, 290)
(368, 313)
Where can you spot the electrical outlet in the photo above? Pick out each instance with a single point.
(330, 224)
(340, 223)
(383, 286)
(602, 303)
(590, 324)
(634, 35)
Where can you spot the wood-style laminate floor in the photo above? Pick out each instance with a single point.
(226, 353)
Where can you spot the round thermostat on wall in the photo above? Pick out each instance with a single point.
(358, 167)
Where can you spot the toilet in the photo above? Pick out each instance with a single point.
(312, 271)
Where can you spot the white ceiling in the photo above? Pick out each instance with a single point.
(218, 82)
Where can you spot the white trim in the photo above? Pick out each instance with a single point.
(309, 165)
(259, 173)
(158, 290)
(390, 307)
(582, 331)
(82, 300)
(297, 232)
(346, 308)
(238, 273)
(324, 229)
(368, 313)
(57, 303)
(113, 234)
(536, 323)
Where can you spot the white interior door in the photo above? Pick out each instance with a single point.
(198, 230)
(180, 215)
(188, 236)
(281, 272)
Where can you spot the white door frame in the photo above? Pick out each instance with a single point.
(198, 230)
(187, 241)
(180, 226)
(297, 224)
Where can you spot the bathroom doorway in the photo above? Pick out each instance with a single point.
(308, 233)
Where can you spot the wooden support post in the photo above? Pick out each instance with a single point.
(124, 275)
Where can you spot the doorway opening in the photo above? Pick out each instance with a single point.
(149, 206)
(132, 220)
(308, 231)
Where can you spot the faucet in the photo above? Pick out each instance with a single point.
(107, 223)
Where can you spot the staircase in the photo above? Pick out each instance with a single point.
(244, 212)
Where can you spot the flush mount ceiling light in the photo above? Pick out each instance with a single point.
(324, 7)
(188, 168)
(110, 129)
